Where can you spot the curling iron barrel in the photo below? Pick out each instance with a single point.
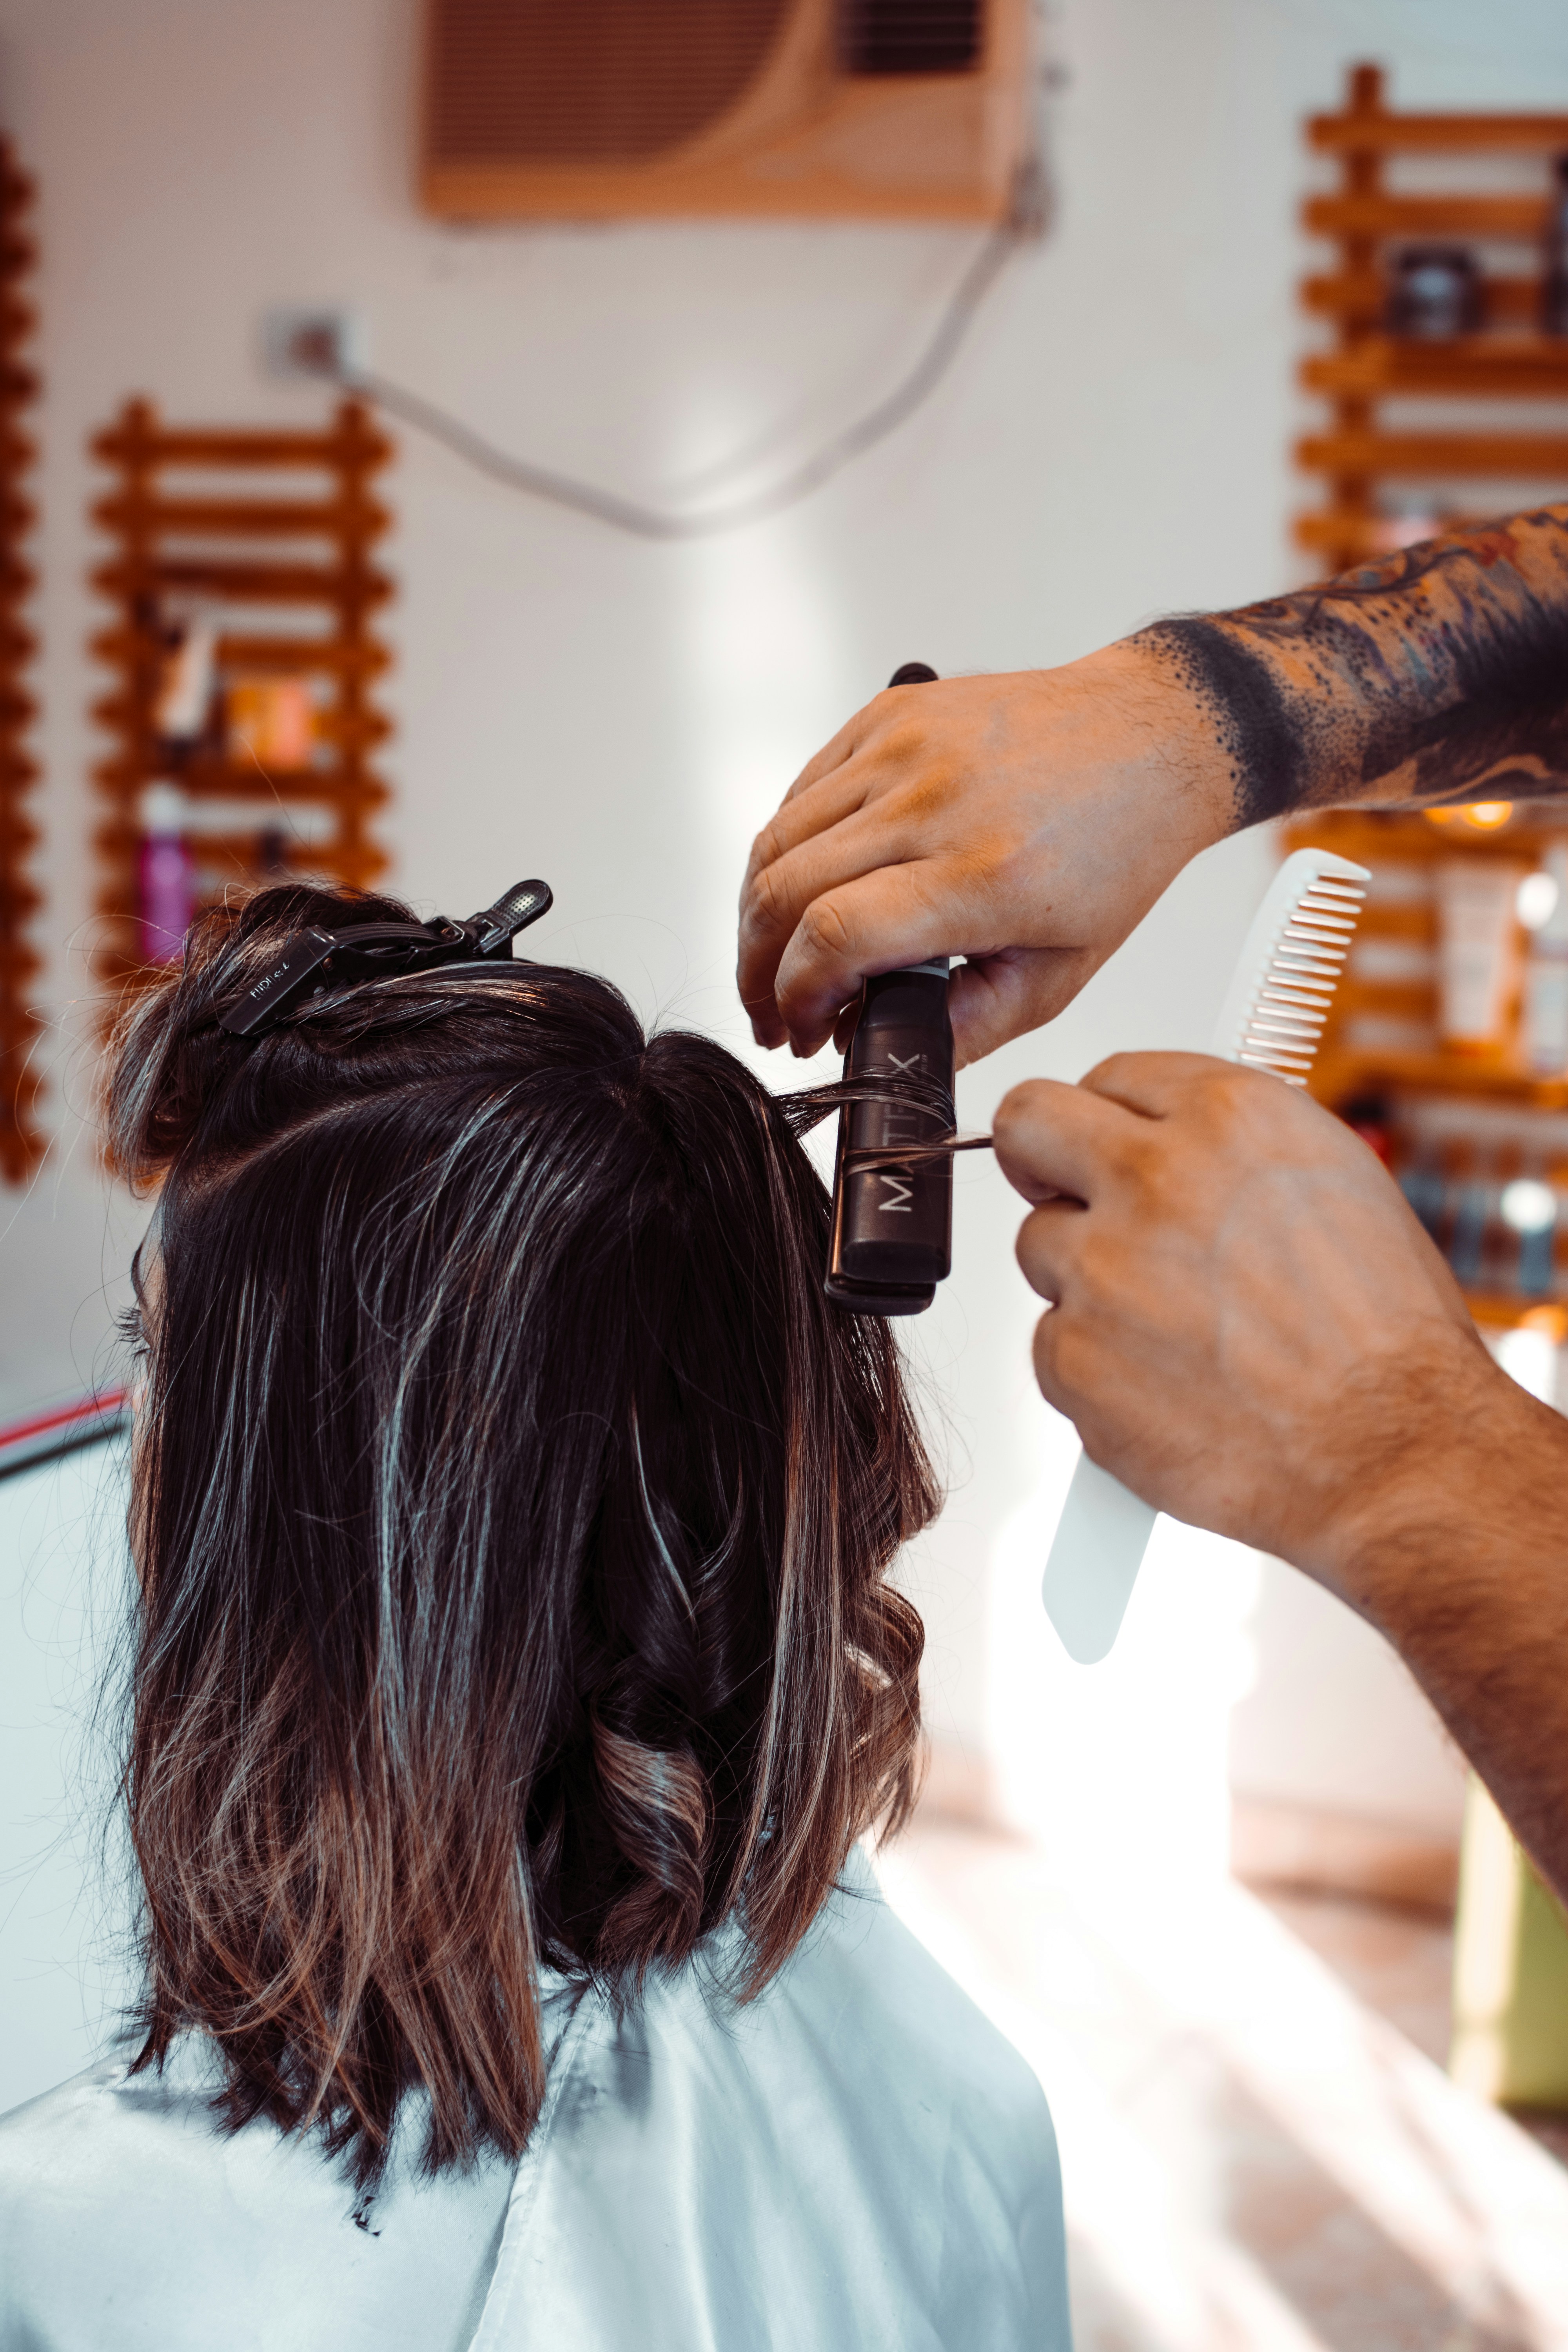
(892, 1221)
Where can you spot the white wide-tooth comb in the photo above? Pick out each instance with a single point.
(1272, 1019)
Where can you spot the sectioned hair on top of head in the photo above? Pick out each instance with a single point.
(512, 1515)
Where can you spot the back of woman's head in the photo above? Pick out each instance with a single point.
(511, 1513)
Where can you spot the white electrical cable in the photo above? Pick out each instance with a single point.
(659, 523)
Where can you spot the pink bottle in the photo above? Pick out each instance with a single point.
(167, 876)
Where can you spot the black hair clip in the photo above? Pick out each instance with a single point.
(317, 959)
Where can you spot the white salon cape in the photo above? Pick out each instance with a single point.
(855, 2162)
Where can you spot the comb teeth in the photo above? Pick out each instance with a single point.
(1285, 1024)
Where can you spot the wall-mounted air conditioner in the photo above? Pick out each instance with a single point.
(585, 108)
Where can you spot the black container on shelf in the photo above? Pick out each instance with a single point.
(1434, 293)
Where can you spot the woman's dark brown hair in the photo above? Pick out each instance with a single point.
(512, 1514)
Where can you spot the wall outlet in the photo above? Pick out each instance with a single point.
(326, 345)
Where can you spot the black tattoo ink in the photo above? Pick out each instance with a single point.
(1444, 665)
(1245, 700)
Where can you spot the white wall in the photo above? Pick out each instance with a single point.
(620, 718)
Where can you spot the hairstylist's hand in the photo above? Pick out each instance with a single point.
(1026, 822)
(1249, 1327)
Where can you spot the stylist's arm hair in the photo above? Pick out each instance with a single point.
(1028, 822)
(1252, 1331)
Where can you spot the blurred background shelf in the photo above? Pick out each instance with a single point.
(1376, 229)
(21, 1138)
(244, 528)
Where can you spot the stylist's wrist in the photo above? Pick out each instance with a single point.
(1175, 741)
(1429, 1525)
(1410, 1461)
(1458, 1556)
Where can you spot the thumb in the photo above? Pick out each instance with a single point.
(993, 998)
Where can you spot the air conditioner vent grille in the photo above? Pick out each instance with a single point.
(588, 81)
(910, 36)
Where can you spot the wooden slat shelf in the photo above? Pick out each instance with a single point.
(1382, 1043)
(21, 1135)
(1508, 359)
(1367, 130)
(323, 657)
(246, 583)
(1473, 367)
(360, 727)
(240, 779)
(1521, 219)
(245, 518)
(192, 516)
(1420, 457)
(355, 442)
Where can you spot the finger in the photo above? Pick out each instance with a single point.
(776, 906)
(889, 918)
(825, 804)
(852, 738)
(1153, 1084)
(994, 998)
(1048, 1245)
(1051, 1138)
(833, 754)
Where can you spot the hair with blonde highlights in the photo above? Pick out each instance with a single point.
(512, 1515)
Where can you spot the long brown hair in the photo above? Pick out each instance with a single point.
(512, 1514)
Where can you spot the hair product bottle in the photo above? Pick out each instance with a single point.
(167, 875)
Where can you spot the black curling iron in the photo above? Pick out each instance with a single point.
(892, 1217)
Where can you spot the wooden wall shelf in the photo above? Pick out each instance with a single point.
(1381, 1046)
(1509, 359)
(1357, 296)
(1365, 129)
(1506, 1105)
(21, 1138)
(273, 534)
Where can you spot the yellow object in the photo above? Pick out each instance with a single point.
(272, 720)
(1484, 815)
(1510, 1971)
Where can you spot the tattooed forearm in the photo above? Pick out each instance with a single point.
(1441, 674)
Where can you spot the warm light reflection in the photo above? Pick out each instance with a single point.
(1119, 1771)
(1483, 816)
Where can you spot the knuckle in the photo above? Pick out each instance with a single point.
(824, 929)
(767, 907)
(901, 740)
(767, 848)
(1232, 1098)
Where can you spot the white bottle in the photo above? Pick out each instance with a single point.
(1546, 977)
